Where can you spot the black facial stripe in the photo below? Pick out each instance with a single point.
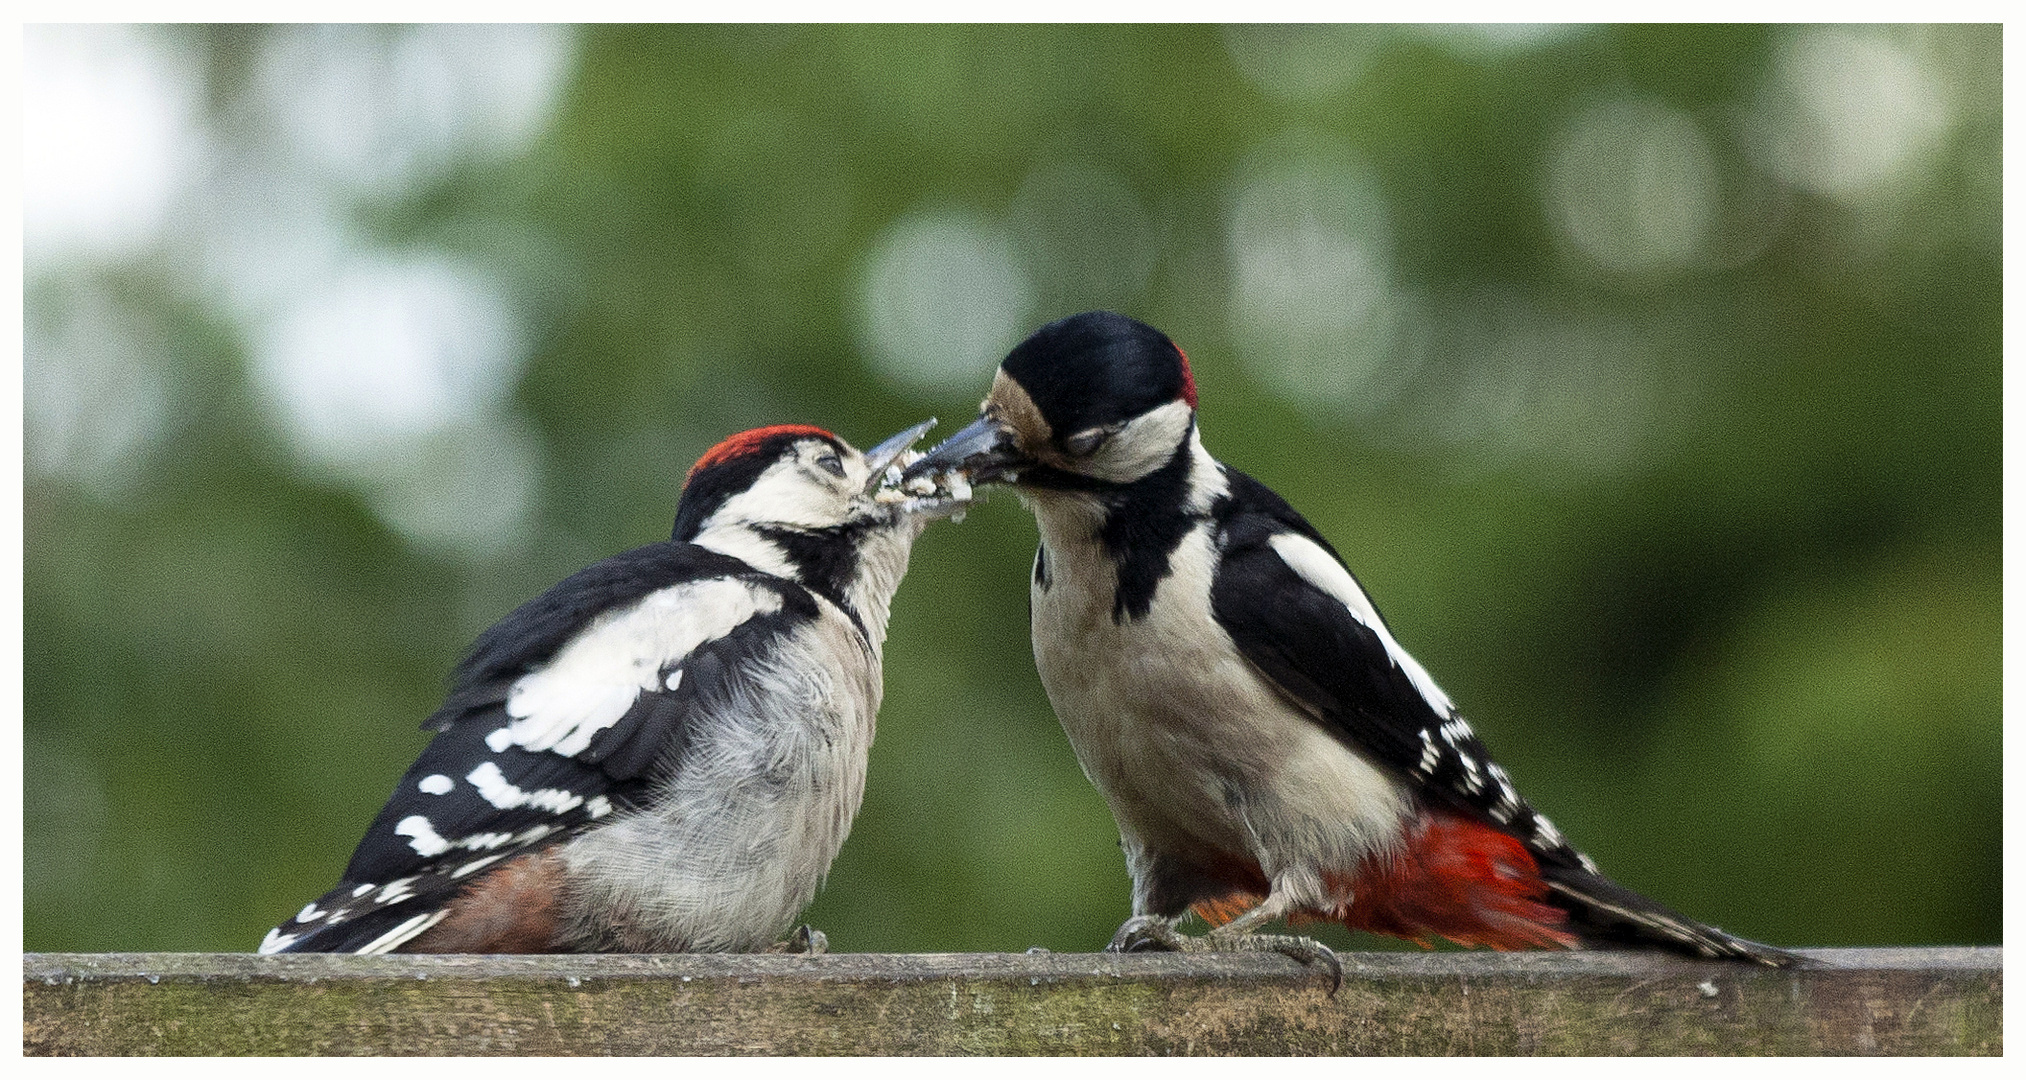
(1143, 526)
(1054, 479)
(826, 560)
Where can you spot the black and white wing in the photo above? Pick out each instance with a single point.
(1297, 614)
(562, 715)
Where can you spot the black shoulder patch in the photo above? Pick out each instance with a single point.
(1253, 512)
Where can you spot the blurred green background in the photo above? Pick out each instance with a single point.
(1648, 377)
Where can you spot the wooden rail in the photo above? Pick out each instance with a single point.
(1859, 1001)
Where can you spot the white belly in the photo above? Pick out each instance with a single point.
(1193, 749)
(735, 845)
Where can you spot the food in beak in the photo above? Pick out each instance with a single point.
(896, 481)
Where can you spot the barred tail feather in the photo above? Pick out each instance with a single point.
(1604, 913)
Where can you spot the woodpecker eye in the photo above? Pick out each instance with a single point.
(1086, 443)
(832, 464)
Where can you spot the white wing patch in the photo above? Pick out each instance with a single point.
(401, 934)
(594, 679)
(421, 836)
(1307, 558)
(495, 788)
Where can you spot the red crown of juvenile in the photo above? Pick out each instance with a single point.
(746, 442)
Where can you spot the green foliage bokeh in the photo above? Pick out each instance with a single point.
(1751, 665)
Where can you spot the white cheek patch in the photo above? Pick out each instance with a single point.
(786, 495)
(1145, 444)
(1307, 558)
(594, 679)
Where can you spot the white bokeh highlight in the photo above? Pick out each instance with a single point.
(387, 372)
(1633, 187)
(1312, 310)
(1496, 41)
(1851, 112)
(941, 299)
(1569, 393)
(110, 134)
(388, 351)
(1303, 62)
(95, 392)
(376, 107)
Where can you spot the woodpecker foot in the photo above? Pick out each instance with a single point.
(1151, 933)
(805, 941)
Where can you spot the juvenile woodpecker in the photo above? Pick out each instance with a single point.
(664, 752)
(1268, 748)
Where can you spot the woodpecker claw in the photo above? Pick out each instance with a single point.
(1151, 933)
(805, 941)
(1148, 933)
(1307, 950)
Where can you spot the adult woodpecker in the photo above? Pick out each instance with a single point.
(1268, 748)
(664, 752)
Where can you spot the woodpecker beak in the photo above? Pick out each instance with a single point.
(890, 450)
(984, 452)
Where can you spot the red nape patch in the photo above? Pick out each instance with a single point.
(1459, 879)
(745, 442)
(1188, 377)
